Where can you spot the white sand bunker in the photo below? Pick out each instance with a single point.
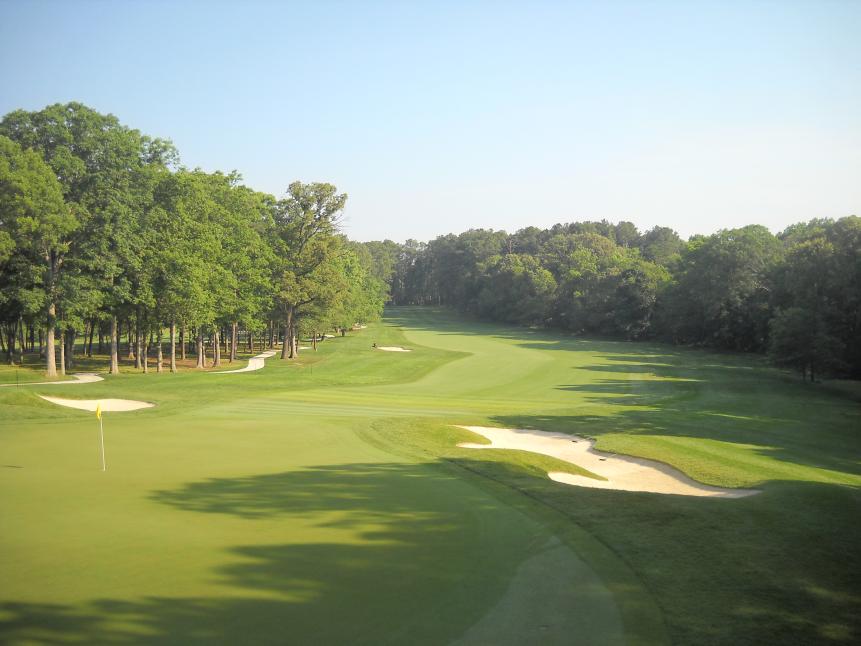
(77, 378)
(254, 363)
(392, 348)
(108, 405)
(623, 473)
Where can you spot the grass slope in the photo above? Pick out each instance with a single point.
(325, 500)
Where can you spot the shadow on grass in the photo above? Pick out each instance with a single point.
(400, 563)
(801, 428)
(668, 391)
(359, 491)
(420, 570)
(781, 568)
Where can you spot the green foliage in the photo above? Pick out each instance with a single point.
(800, 340)
(721, 296)
(36, 227)
(661, 245)
(516, 289)
(821, 277)
(99, 225)
(306, 226)
(723, 290)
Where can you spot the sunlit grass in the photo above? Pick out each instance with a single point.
(329, 491)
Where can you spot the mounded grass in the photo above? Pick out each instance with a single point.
(325, 500)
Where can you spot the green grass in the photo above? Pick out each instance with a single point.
(325, 500)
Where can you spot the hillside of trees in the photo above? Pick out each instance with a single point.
(795, 295)
(103, 233)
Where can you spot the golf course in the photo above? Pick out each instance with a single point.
(325, 499)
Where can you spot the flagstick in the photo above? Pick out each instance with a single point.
(102, 442)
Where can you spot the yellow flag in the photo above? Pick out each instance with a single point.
(99, 410)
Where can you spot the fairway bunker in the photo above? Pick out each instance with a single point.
(254, 363)
(77, 378)
(392, 348)
(108, 405)
(622, 473)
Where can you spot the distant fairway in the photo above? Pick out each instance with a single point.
(325, 501)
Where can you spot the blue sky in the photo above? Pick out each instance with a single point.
(438, 117)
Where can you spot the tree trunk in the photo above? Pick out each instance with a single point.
(314, 340)
(50, 350)
(234, 339)
(22, 344)
(93, 324)
(159, 357)
(285, 348)
(131, 341)
(115, 347)
(216, 348)
(182, 341)
(62, 355)
(250, 342)
(101, 339)
(201, 358)
(10, 348)
(288, 324)
(144, 350)
(7, 341)
(138, 341)
(173, 346)
(70, 347)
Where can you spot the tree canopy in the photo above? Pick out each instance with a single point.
(796, 296)
(101, 227)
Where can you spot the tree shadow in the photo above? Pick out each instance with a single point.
(364, 488)
(777, 434)
(407, 566)
(779, 567)
(745, 405)
(422, 571)
(677, 392)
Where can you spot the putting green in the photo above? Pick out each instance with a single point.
(326, 501)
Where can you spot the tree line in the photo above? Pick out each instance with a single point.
(102, 232)
(795, 295)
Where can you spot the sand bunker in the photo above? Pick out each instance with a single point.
(77, 378)
(392, 348)
(623, 473)
(108, 405)
(254, 363)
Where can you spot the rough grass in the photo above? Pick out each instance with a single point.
(325, 500)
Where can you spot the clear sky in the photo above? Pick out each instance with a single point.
(437, 117)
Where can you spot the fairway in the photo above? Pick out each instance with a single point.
(326, 501)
